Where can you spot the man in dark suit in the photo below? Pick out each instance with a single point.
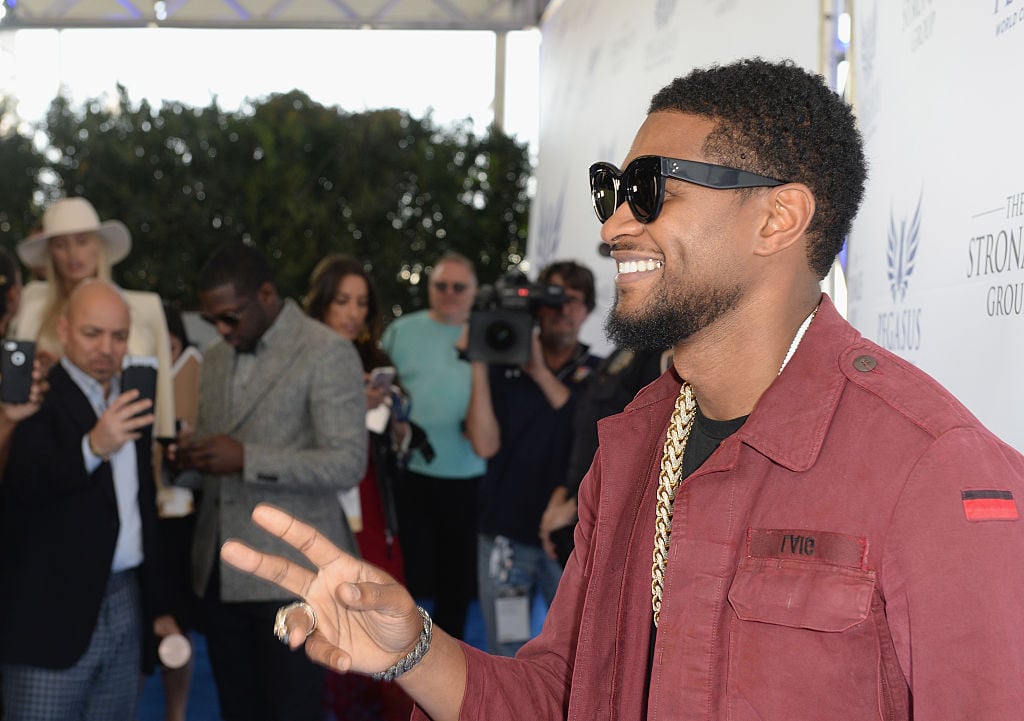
(79, 560)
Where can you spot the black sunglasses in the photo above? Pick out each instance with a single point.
(457, 288)
(230, 318)
(642, 183)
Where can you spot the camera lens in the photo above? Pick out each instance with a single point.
(499, 335)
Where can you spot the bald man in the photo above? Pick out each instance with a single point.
(78, 529)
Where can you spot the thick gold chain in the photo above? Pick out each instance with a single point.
(668, 481)
(672, 470)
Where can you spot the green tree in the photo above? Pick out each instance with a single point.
(20, 164)
(297, 179)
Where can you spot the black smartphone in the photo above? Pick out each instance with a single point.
(141, 377)
(16, 357)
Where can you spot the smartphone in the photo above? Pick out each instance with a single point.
(382, 377)
(16, 357)
(140, 374)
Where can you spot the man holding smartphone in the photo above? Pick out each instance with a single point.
(78, 495)
(281, 420)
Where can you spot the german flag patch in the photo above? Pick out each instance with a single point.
(989, 505)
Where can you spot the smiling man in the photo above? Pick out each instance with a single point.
(281, 420)
(792, 522)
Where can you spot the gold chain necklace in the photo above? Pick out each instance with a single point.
(672, 470)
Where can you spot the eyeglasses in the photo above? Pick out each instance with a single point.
(443, 286)
(642, 183)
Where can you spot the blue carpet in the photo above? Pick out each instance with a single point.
(202, 702)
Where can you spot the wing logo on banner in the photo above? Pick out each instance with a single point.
(868, 41)
(550, 235)
(663, 11)
(901, 253)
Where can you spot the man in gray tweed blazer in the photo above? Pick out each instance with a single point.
(281, 420)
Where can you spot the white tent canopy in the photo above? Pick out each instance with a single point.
(496, 15)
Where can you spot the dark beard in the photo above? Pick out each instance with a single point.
(662, 321)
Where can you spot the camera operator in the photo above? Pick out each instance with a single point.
(520, 419)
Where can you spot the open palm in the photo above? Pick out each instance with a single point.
(365, 619)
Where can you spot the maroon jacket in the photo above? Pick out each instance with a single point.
(852, 553)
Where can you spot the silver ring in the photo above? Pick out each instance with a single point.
(281, 620)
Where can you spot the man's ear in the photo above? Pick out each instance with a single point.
(266, 293)
(789, 209)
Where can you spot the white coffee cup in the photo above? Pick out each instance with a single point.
(174, 651)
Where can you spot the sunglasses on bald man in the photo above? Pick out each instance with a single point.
(642, 183)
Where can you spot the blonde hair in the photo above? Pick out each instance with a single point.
(57, 297)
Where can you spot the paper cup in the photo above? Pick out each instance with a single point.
(174, 651)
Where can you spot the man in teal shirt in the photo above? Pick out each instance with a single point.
(437, 497)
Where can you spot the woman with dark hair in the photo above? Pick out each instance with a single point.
(342, 296)
(353, 312)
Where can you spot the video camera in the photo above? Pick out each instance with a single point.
(501, 323)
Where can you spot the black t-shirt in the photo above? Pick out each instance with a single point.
(535, 443)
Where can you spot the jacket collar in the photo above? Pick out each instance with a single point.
(280, 346)
(789, 422)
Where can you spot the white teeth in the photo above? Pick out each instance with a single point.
(638, 266)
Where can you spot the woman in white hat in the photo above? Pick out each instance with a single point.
(74, 245)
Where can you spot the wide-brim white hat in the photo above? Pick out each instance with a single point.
(74, 215)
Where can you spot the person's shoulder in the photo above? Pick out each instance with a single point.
(25, 324)
(586, 365)
(143, 302)
(904, 388)
(142, 297)
(217, 352)
(320, 339)
(34, 289)
(189, 359)
(317, 332)
(408, 320)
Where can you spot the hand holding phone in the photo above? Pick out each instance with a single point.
(382, 377)
(139, 373)
(16, 357)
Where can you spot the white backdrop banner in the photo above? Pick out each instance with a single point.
(601, 61)
(935, 268)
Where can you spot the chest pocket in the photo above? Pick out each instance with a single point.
(801, 594)
(803, 579)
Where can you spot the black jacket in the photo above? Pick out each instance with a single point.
(58, 526)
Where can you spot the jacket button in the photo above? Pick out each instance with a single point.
(864, 363)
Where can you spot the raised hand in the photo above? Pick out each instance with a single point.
(15, 412)
(120, 423)
(365, 620)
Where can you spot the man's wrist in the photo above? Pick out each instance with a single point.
(95, 451)
(407, 662)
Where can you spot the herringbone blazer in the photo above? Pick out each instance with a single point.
(301, 419)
